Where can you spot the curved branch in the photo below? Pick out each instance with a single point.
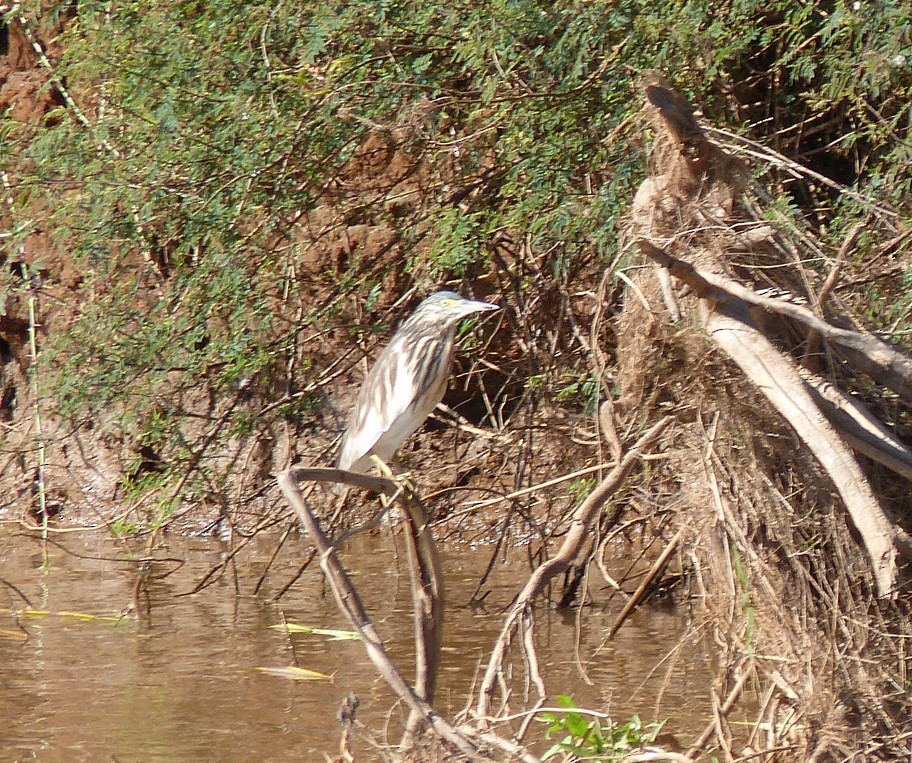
(352, 607)
(580, 525)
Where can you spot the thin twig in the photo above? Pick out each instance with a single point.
(580, 523)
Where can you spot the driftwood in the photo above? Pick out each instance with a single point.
(381, 485)
(850, 416)
(427, 591)
(700, 182)
(886, 365)
(727, 318)
(859, 427)
(779, 380)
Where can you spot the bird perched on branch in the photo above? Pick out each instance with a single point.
(407, 381)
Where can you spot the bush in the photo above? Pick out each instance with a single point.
(213, 127)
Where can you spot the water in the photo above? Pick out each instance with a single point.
(177, 679)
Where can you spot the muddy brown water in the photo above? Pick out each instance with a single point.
(180, 680)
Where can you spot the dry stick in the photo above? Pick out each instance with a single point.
(877, 358)
(352, 607)
(473, 506)
(600, 553)
(721, 740)
(728, 322)
(655, 756)
(532, 658)
(766, 154)
(668, 295)
(369, 482)
(580, 523)
(640, 592)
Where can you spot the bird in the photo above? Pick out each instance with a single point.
(406, 382)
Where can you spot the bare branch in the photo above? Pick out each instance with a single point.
(351, 605)
(580, 524)
(886, 365)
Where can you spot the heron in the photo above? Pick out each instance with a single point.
(406, 382)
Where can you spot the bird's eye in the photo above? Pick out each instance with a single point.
(448, 302)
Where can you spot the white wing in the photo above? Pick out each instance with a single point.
(380, 429)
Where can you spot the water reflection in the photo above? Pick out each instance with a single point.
(179, 682)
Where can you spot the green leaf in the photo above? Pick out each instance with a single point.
(333, 635)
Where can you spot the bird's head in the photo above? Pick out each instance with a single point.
(448, 307)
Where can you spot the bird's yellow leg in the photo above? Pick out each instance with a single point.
(404, 478)
(403, 481)
(405, 488)
(402, 485)
(382, 466)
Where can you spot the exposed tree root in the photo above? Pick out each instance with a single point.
(520, 615)
(810, 610)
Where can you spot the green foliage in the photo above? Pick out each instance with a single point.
(582, 737)
(584, 388)
(459, 241)
(580, 488)
(122, 528)
(212, 126)
(137, 479)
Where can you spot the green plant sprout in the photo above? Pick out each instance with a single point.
(583, 737)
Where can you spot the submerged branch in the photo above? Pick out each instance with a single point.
(657, 567)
